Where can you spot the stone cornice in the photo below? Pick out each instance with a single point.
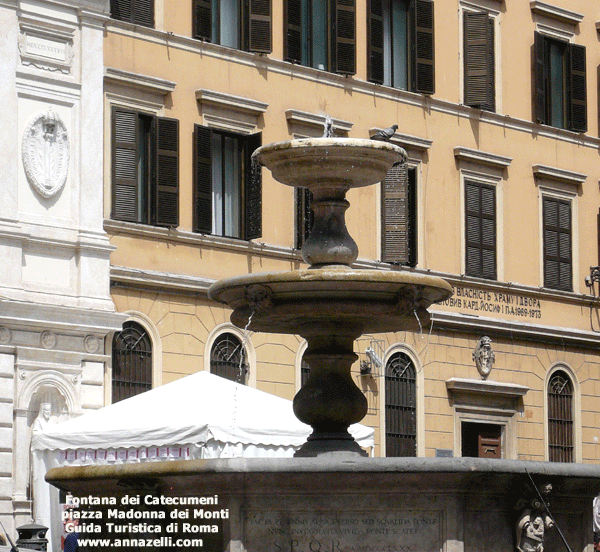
(482, 157)
(485, 387)
(248, 106)
(147, 83)
(559, 175)
(555, 12)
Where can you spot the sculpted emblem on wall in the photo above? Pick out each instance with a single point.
(45, 153)
(484, 356)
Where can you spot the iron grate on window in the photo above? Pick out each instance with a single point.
(131, 362)
(400, 406)
(228, 358)
(560, 418)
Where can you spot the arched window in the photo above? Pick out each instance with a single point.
(400, 406)
(228, 358)
(131, 362)
(560, 418)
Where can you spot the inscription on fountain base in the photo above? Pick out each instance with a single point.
(348, 531)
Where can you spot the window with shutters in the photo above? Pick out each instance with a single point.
(557, 236)
(228, 358)
(401, 44)
(399, 216)
(321, 34)
(560, 418)
(131, 362)
(480, 230)
(479, 60)
(244, 25)
(139, 12)
(560, 84)
(227, 186)
(400, 406)
(145, 168)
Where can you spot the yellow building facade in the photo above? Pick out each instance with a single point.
(497, 107)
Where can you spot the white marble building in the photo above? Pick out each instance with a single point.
(56, 314)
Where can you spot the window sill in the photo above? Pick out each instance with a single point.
(193, 239)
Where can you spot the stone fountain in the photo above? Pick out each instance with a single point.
(331, 499)
(330, 304)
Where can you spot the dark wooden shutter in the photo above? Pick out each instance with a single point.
(557, 244)
(344, 50)
(125, 194)
(375, 42)
(480, 232)
(540, 77)
(140, 12)
(252, 190)
(259, 26)
(143, 12)
(202, 18)
(424, 74)
(577, 89)
(293, 31)
(479, 60)
(395, 216)
(202, 179)
(167, 172)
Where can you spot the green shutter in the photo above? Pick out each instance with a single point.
(139, 12)
(395, 216)
(577, 89)
(125, 195)
(375, 42)
(202, 180)
(557, 244)
(202, 18)
(293, 31)
(344, 43)
(479, 60)
(480, 231)
(540, 77)
(252, 189)
(259, 31)
(424, 47)
(167, 173)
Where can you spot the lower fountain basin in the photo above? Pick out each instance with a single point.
(310, 301)
(358, 505)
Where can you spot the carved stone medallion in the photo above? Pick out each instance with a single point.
(45, 152)
(48, 340)
(4, 335)
(484, 356)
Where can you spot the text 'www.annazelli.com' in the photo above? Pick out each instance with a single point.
(165, 542)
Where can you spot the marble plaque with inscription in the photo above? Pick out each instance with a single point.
(348, 531)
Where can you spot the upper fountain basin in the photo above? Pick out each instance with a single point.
(310, 162)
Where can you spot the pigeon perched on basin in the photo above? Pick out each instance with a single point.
(385, 134)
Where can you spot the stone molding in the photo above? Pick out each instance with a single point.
(482, 157)
(229, 112)
(486, 387)
(555, 12)
(559, 175)
(153, 85)
(409, 142)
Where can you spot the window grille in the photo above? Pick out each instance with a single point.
(560, 418)
(400, 406)
(131, 362)
(228, 358)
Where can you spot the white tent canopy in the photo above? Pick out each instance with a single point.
(196, 410)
